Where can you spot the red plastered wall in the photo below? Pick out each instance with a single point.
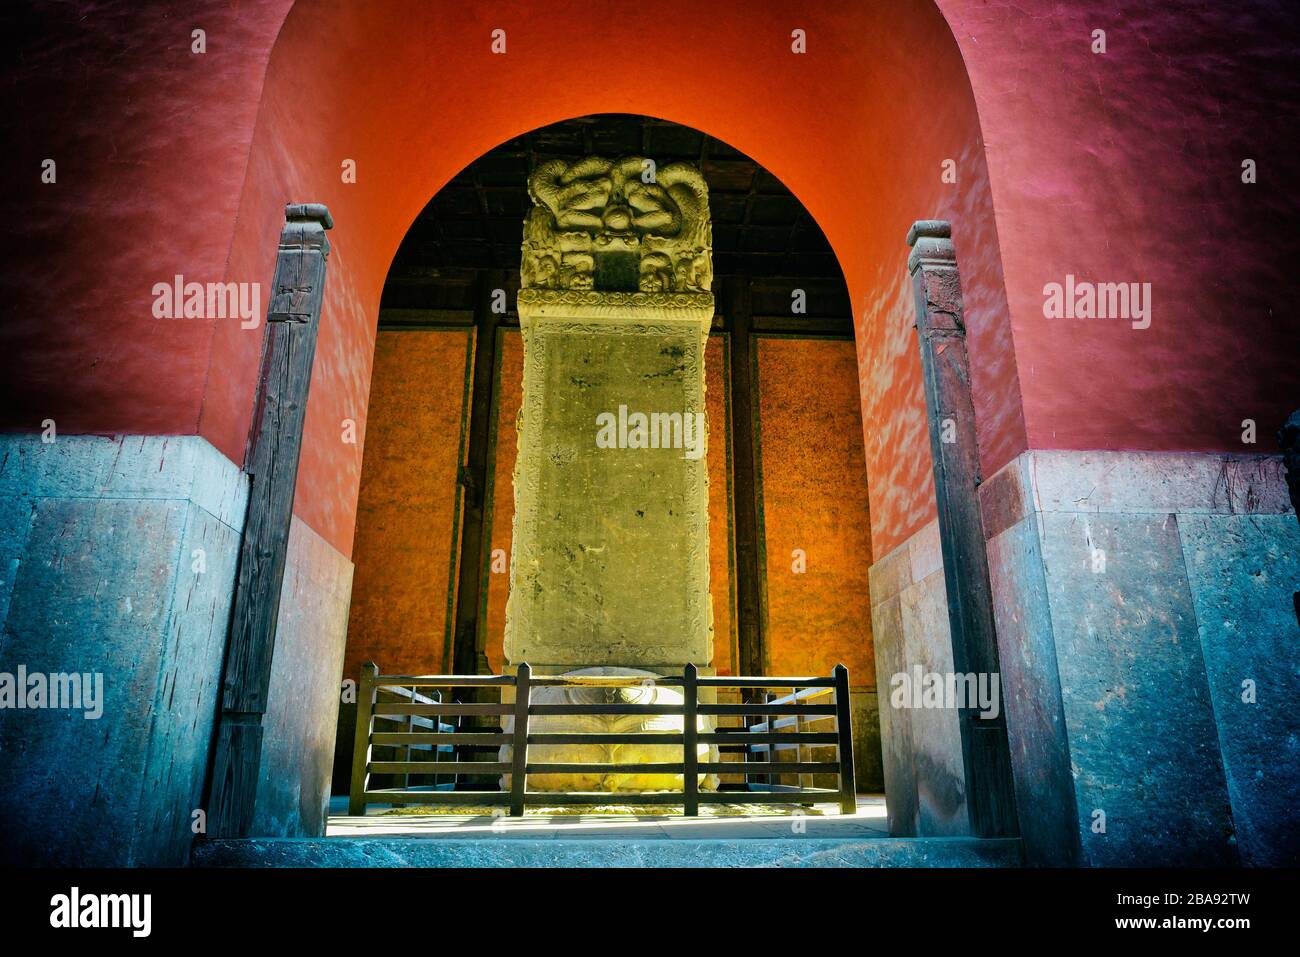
(414, 93)
(1115, 167)
(150, 141)
(1126, 166)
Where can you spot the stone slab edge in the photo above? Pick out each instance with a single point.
(760, 852)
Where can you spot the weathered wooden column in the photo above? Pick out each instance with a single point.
(751, 639)
(990, 795)
(293, 318)
(468, 658)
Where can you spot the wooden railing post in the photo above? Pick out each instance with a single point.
(437, 696)
(519, 752)
(773, 779)
(361, 741)
(292, 322)
(844, 727)
(690, 725)
(802, 779)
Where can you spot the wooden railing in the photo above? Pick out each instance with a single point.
(375, 701)
(413, 736)
(799, 742)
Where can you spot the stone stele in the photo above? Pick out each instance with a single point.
(609, 564)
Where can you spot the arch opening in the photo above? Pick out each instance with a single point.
(836, 143)
(788, 516)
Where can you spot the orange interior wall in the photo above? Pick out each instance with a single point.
(814, 493)
(812, 479)
(408, 512)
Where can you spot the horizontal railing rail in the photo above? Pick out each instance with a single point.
(768, 733)
(420, 735)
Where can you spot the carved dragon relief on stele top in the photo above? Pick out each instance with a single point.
(620, 225)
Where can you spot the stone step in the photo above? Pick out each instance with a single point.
(587, 852)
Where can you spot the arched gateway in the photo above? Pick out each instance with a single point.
(1067, 504)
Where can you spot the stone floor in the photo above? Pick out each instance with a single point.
(765, 839)
(820, 822)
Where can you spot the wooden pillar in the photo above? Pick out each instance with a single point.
(292, 322)
(751, 640)
(945, 366)
(467, 657)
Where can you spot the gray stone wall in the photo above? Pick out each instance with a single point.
(119, 558)
(1140, 597)
(924, 778)
(1143, 603)
(868, 766)
(303, 701)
